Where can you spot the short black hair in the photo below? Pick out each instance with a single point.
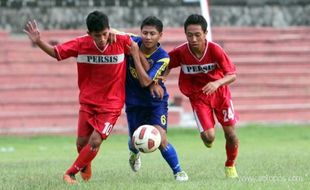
(152, 21)
(97, 21)
(197, 20)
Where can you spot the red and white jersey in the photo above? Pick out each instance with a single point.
(196, 73)
(101, 73)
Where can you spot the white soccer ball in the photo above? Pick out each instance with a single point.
(146, 138)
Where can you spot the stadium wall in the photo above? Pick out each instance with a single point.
(70, 14)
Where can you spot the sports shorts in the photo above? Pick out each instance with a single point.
(151, 115)
(91, 120)
(208, 107)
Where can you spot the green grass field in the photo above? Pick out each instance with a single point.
(269, 158)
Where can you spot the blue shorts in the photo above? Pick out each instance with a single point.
(151, 115)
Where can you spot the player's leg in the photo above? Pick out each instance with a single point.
(208, 137)
(232, 143)
(231, 151)
(134, 161)
(159, 120)
(203, 115)
(227, 117)
(135, 116)
(81, 142)
(169, 153)
(86, 155)
(84, 132)
(86, 172)
(103, 125)
(134, 156)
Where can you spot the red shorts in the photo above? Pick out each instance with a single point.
(218, 104)
(103, 122)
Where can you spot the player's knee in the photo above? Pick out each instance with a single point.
(232, 138)
(163, 135)
(95, 141)
(164, 142)
(208, 143)
(81, 142)
(207, 138)
(230, 135)
(95, 144)
(79, 146)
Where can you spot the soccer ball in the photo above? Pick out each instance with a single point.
(146, 138)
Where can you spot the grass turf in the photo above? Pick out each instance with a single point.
(269, 158)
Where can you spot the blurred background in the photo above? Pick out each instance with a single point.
(267, 40)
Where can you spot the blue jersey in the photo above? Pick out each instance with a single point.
(135, 94)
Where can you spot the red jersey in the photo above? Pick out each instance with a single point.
(101, 73)
(196, 73)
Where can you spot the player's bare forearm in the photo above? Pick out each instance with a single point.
(34, 35)
(47, 48)
(143, 77)
(166, 72)
(213, 86)
(163, 77)
(144, 62)
(227, 79)
(156, 91)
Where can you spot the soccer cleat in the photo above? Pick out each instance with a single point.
(134, 161)
(181, 176)
(231, 172)
(86, 172)
(69, 179)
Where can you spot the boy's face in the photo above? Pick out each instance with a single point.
(101, 37)
(150, 36)
(195, 36)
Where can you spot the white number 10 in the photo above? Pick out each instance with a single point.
(107, 128)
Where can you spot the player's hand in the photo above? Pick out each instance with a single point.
(156, 91)
(112, 37)
(32, 31)
(210, 87)
(133, 48)
(162, 78)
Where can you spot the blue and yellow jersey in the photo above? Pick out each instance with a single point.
(135, 94)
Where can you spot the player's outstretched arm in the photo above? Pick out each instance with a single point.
(33, 33)
(144, 79)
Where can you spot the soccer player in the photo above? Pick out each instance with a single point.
(146, 95)
(206, 71)
(101, 80)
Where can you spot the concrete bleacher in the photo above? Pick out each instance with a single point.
(39, 94)
(273, 73)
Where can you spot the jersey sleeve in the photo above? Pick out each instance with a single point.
(224, 61)
(158, 66)
(174, 59)
(126, 40)
(135, 38)
(67, 49)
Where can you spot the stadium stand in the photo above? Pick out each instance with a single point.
(39, 95)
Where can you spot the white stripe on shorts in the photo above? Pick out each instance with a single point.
(199, 126)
